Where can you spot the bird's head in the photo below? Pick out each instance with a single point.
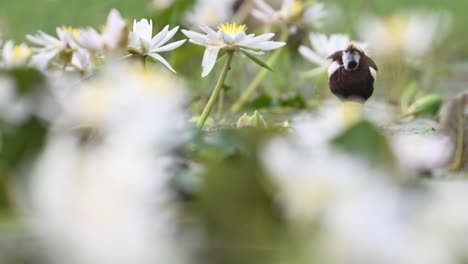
(351, 56)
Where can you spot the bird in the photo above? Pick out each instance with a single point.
(351, 77)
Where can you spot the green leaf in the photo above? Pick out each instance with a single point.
(262, 101)
(295, 101)
(257, 60)
(365, 140)
(426, 106)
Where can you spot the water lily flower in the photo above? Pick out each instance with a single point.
(291, 12)
(113, 36)
(230, 37)
(15, 56)
(142, 42)
(322, 47)
(51, 47)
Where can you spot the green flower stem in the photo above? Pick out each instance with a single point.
(217, 89)
(237, 106)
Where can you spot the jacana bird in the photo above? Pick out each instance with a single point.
(351, 76)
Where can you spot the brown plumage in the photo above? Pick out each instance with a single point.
(352, 74)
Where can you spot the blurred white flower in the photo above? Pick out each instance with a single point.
(210, 13)
(443, 222)
(50, 47)
(422, 152)
(313, 179)
(143, 43)
(15, 56)
(107, 199)
(363, 216)
(126, 102)
(114, 35)
(309, 173)
(412, 35)
(14, 109)
(382, 225)
(322, 47)
(229, 37)
(291, 12)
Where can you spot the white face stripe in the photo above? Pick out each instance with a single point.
(333, 68)
(348, 57)
(373, 72)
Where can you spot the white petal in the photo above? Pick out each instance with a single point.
(315, 71)
(162, 60)
(239, 37)
(160, 36)
(260, 38)
(261, 15)
(210, 32)
(267, 45)
(209, 59)
(171, 46)
(287, 7)
(311, 55)
(195, 36)
(143, 28)
(263, 6)
(169, 35)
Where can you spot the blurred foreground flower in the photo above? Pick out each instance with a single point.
(101, 186)
(14, 107)
(411, 35)
(353, 211)
(142, 42)
(15, 56)
(322, 47)
(422, 153)
(292, 12)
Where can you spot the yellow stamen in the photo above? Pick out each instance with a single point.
(297, 8)
(103, 28)
(21, 53)
(74, 31)
(233, 28)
